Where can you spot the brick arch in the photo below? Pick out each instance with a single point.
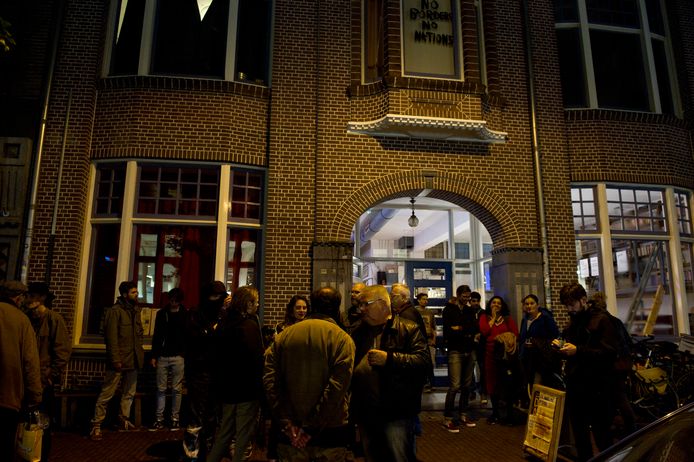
(484, 203)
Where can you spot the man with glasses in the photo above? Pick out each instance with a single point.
(19, 365)
(390, 367)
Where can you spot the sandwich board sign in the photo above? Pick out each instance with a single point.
(544, 423)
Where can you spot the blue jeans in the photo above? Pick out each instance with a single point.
(169, 366)
(461, 367)
(239, 421)
(108, 389)
(392, 441)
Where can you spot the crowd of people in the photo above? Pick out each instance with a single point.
(327, 380)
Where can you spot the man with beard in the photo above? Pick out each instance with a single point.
(123, 333)
(590, 348)
(201, 324)
(54, 346)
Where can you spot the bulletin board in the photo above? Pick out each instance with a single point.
(544, 423)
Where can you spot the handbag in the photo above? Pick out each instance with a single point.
(29, 435)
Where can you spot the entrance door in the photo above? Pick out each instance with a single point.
(433, 278)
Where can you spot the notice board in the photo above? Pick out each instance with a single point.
(544, 423)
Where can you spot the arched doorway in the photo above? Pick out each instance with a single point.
(442, 247)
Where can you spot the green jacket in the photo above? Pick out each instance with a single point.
(54, 345)
(307, 374)
(123, 335)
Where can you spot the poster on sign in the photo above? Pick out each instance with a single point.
(545, 415)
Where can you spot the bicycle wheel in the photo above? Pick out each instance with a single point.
(656, 404)
(685, 388)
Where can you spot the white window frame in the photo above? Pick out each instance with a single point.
(646, 36)
(128, 221)
(672, 239)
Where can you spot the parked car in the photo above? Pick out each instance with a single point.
(670, 438)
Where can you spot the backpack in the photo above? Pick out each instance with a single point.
(623, 361)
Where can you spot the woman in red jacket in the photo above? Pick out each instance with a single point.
(495, 321)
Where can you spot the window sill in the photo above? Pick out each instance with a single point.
(182, 84)
(404, 126)
(575, 115)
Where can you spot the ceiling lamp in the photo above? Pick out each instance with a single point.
(413, 221)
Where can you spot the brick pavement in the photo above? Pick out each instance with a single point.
(483, 443)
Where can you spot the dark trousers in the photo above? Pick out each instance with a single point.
(590, 408)
(8, 433)
(202, 413)
(47, 407)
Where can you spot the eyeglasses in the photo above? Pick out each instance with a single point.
(369, 302)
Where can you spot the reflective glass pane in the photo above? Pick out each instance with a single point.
(102, 273)
(145, 282)
(189, 40)
(620, 76)
(624, 13)
(148, 245)
(663, 74)
(127, 37)
(565, 11)
(588, 264)
(573, 80)
(636, 287)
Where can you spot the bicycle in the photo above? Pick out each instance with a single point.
(650, 386)
(684, 365)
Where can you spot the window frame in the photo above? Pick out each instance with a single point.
(671, 239)
(128, 221)
(646, 37)
(458, 61)
(147, 44)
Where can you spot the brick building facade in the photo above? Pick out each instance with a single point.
(340, 120)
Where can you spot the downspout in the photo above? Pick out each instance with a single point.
(537, 159)
(316, 142)
(56, 199)
(36, 163)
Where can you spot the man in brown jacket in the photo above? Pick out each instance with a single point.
(20, 380)
(54, 347)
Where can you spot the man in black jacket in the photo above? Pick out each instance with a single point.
(590, 348)
(390, 366)
(461, 333)
(168, 347)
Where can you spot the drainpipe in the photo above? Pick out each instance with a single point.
(36, 164)
(537, 159)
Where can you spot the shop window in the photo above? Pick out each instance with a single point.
(636, 210)
(109, 191)
(584, 212)
(102, 273)
(684, 217)
(616, 55)
(588, 259)
(242, 255)
(171, 233)
(207, 38)
(173, 256)
(246, 196)
(176, 191)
